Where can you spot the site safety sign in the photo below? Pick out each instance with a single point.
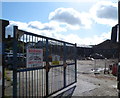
(34, 57)
(55, 59)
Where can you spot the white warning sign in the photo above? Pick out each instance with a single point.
(34, 57)
(0, 75)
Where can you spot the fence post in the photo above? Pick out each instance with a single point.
(3, 24)
(75, 58)
(47, 69)
(15, 28)
(64, 63)
(118, 77)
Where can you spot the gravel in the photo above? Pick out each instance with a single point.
(90, 84)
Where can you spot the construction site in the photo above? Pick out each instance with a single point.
(36, 65)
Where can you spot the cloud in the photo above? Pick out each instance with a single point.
(96, 39)
(63, 19)
(109, 12)
(46, 29)
(37, 28)
(66, 15)
(74, 38)
(70, 17)
(104, 12)
(40, 26)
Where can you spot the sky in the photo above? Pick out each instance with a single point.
(85, 22)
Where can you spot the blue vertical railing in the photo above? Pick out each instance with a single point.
(47, 68)
(14, 66)
(75, 58)
(64, 64)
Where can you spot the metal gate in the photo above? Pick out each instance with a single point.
(38, 65)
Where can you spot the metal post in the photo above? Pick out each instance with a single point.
(95, 64)
(3, 24)
(119, 47)
(105, 66)
(119, 30)
(64, 64)
(15, 62)
(47, 69)
(75, 62)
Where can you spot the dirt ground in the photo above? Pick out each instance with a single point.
(90, 84)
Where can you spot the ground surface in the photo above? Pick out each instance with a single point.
(89, 84)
